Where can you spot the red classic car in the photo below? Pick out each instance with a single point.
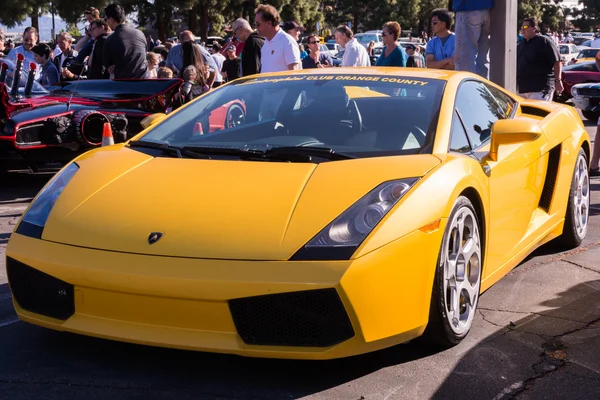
(585, 72)
(43, 125)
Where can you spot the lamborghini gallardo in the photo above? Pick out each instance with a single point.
(345, 211)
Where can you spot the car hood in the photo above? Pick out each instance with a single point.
(212, 208)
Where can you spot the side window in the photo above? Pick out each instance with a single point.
(478, 110)
(506, 103)
(458, 137)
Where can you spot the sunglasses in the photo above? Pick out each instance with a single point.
(314, 42)
(525, 26)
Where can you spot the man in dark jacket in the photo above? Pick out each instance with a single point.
(125, 49)
(66, 59)
(95, 68)
(253, 44)
(538, 64)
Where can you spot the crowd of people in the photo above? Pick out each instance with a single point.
(113, 49)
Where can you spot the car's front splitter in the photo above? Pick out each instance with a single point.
(248, 308)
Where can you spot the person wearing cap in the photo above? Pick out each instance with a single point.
(415, 59)
(231, 65)
(49, 75)
(253, 43)
(280, 51)
(293, 29)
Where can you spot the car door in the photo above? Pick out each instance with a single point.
(515, 179)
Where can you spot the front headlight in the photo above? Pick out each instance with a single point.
(573, 91)
(35, 218)
(339, 239)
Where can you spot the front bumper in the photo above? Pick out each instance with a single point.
(212, 305)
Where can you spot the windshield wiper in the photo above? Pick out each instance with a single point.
(180, 152)
(287, 153)
(323, 152)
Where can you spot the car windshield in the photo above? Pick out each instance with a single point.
(361, 115)
(330, 46)
(564, 49)
(589, 53)
(10, 73)
(365, 38)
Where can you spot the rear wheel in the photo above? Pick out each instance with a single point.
(457, 279)
(578, 208)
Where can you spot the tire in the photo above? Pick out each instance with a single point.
(88, 128)
(457, 280)
(589, 115)
(578, 208)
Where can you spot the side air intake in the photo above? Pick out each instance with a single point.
(550, 182)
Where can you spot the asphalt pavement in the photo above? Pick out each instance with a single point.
(537, 336)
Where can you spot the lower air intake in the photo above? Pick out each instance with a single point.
(312, 318)
(38, 292)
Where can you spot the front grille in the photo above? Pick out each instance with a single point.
(38, 292)
(29, 134)
(312, 318)
(588, 92)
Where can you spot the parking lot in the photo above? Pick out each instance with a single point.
(537, 336)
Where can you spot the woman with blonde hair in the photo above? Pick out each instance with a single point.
(153, 61)
(392, 55)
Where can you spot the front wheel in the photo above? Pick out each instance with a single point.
(578, 208)
(457, 279)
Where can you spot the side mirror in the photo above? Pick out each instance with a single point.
(152, 120)
(509, 131)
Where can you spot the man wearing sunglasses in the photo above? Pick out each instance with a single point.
(439, 52)
(538, 64)
(315, 58)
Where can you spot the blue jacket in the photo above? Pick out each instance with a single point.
(472, 5)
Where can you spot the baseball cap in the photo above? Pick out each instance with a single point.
(411, 47)
(288, 26)
(231, 47)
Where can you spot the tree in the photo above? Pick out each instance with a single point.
(14, 12)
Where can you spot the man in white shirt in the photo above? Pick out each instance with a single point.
(280, 52)
(355, 54)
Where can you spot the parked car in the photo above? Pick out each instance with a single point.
(365, 208)
(587, 55)
(586, 72)
(586, 97)
(334, 49)
(568, 52)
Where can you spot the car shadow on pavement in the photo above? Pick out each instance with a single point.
(4, 238)
(50, 356)
(547, 354)
(17, 187)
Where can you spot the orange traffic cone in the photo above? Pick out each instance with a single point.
(197, 129)
(107, 136)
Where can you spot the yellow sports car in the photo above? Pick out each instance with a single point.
(335, 212)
